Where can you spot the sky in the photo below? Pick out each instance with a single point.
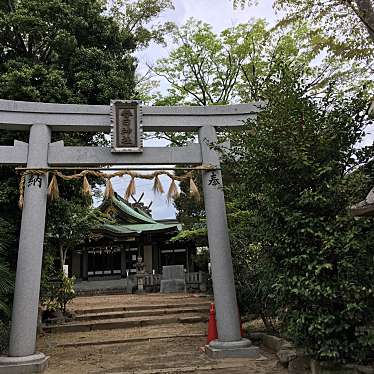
(220, 14)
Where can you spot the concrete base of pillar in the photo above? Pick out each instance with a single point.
(239, 349)
(35, 363)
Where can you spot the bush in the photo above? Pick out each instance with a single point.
(65, 292)
(254, 276)
(56, 288)
(4, 336)
(296, 170)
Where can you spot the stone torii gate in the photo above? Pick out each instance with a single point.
(127, 120)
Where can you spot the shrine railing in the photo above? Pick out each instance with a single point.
(194, 280)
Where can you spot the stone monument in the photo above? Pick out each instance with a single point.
(173, 279)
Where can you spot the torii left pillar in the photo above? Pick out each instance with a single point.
(23, 357)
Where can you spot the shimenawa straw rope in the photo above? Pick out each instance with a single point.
(173, 191)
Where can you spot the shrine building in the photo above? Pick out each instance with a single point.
(113, 250)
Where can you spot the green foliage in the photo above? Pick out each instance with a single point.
(49, 274)
(65, 292)
(344, 28)
(60, 51)
(201, 258)
(80, 52)
(6, 276)
(197, 234)
(69, 224)
(138, 19)
(6, 287)
(190, 211)
(4, 336)
(235, 66)
(56, 288)
(202, 68)
(6, 283)
(296, 170)
(254, 270)
(205, 68)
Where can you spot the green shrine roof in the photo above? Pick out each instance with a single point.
(137, 228)
(131, 220)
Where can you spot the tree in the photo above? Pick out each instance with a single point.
(69, 225)
(203, 69)
(346, 28)
(208, 69)
(66, 51)
(297, 169)
(138, 19)
(234, 66)
(63, 51)
(69, 52)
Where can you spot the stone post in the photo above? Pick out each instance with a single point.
(30, 254)
(229, 343)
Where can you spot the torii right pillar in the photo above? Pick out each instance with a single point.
(229, 342)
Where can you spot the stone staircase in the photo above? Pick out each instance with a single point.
(143, 334)
(132, 316)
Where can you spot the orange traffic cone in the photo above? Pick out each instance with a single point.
(212, 324)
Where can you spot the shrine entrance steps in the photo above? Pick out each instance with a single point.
(133, 311)
(162, 344)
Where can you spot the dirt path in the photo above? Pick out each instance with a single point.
(176, 355)
(173, 348)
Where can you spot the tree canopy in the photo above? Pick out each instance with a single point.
(204, 68)
(72, 52)
(346, 28)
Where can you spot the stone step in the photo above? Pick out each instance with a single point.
(204, 310)
(117, 336)
(231, 367)
(104, 342)
(121, 323)
(125, 308)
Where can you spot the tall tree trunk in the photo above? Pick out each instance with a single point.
(62, 255)
(366, 15)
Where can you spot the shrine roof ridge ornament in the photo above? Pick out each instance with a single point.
(20, 115)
